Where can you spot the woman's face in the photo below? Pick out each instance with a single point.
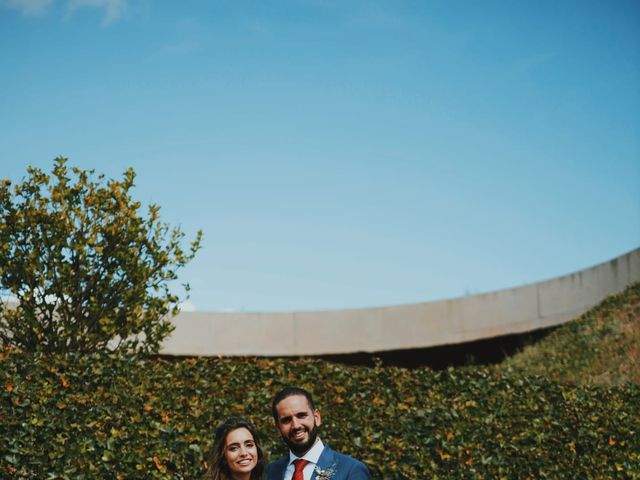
(240, 451)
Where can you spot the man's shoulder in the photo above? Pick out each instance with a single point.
(354, 467)
(341, 457)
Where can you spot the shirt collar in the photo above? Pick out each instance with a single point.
(312, 455)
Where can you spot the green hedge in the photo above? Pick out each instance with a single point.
(132, 417)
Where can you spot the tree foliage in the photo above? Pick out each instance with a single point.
(88, 269)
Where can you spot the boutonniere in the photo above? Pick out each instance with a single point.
(326, 473)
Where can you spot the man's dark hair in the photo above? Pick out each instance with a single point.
(290, 392)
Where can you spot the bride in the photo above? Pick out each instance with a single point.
(236, 453)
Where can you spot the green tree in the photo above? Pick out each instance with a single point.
(88, 270)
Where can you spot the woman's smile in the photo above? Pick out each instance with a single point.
(240, 452)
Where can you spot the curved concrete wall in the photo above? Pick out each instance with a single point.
(515, 310)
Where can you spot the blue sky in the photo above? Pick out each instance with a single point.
(344, 153)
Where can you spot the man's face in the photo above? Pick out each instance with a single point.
(297, 423)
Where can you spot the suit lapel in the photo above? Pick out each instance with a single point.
(325, 461)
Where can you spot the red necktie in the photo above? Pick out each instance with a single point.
(299, 464)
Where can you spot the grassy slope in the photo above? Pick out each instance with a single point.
(602, 347)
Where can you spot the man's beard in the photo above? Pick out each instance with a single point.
(301, 448)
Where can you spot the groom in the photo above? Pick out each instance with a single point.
(297, 420)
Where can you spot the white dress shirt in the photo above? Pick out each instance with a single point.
(311, 456)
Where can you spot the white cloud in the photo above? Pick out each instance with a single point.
(8, 299)
(114, 9)
(187, 306)
(26, 7)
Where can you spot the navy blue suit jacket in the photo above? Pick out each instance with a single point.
(342, 466)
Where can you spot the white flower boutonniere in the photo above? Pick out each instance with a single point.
(325, 474)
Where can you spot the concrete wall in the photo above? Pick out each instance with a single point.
(515, 310)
